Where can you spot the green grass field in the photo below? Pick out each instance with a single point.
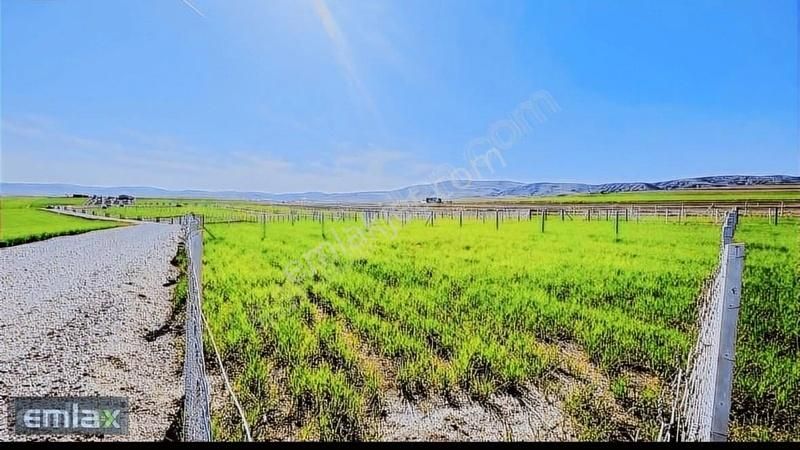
(767, 370)
(318, 330)
(22, 221)
(212, 210)
(439, 310)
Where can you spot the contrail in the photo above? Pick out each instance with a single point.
(190, 5)
(342, 53)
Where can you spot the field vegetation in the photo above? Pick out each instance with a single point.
(212, 210)
(767, 369)
(22, 220)
(319, 327)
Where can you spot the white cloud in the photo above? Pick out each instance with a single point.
(40, 151)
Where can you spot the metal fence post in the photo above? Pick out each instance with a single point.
(732, 294)
(727, 231)
(543, 216)
(705, 392)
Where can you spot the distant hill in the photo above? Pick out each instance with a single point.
(722, 181)
(448, 190)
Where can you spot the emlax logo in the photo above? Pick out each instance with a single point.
(69, 415)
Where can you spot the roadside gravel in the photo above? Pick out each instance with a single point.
(91, 315)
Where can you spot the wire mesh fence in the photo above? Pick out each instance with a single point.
(197, 403)
(703, 395)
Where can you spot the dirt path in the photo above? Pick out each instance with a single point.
(89, 315)
(530, 417)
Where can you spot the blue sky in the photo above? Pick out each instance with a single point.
(301, 95)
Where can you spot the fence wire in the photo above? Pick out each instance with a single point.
(704, 394)
(197, 400)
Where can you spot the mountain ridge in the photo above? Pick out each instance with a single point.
(447, 190)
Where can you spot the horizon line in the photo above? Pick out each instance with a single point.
(235, 191)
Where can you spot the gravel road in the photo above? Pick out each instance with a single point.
(91, 315)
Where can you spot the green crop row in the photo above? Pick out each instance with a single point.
(319, 326)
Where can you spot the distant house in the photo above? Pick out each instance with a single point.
(433, 200)
(125, 199)
(80, 196)
(99, 200)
